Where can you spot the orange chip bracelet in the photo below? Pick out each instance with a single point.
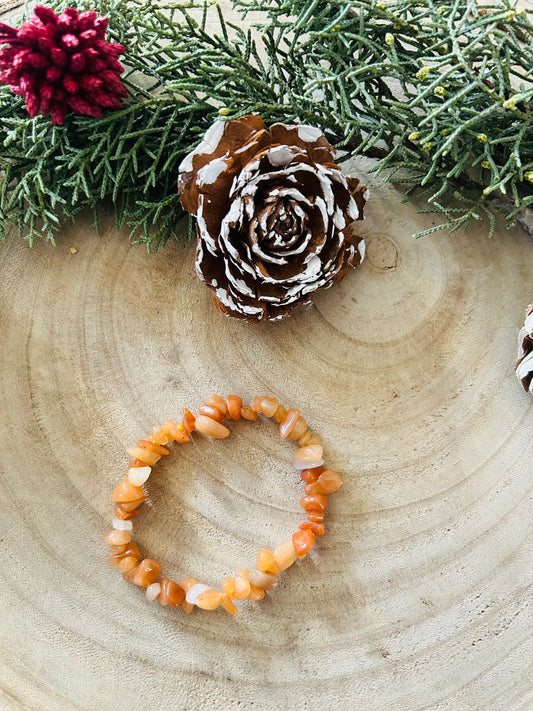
(128, 496)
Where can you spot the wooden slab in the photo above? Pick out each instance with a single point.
(419, 595)
(7, 5)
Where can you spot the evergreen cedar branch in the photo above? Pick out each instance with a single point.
(459, 130)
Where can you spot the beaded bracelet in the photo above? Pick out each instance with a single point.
(128, 497)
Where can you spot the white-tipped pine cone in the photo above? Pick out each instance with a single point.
(274, 215)
(524, 365)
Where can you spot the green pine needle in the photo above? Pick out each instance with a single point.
(440, 93)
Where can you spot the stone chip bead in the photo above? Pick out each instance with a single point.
(208, 600)
(228, 586)
(285, 554)
(309, 456)
(194, 591)
(126, 492)
(159, 435)
(189, 421)
(314, 502)
(218, 402)
(152, 447)
(187, 584)
(152, 591)
(269, 405)
(136, 463)
(265, 581)
(317, 528)
(280, 414)
(163, 434)
(266, 561)
(228, 605)
(124, 515)
(248, 413)
(310, 475)
(118, 537)
(308, 464)
(304, 439)
(256, 403)
(127, 563)
(299, 429)
(121, 525)
(139, 475)
(119, 552)
(315, 516)
(213, 412)
(144, 455)
(170, 593)
(129, 506)
(309, 453)
(289, 423)
(177, 433)
(256, 593)
(326, 483)
(241, 585)
(303, 540)
(211, 428)
(234, 404)
(251, 584)
(146, 573)
(330, 481)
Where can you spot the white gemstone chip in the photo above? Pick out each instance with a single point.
(119, 525)
(138, 475)
(152, 591)
(195, 591)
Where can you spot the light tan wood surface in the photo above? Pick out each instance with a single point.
(418, 598)
(419, 595)
(7, 5)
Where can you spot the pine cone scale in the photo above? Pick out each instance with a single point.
(524, 364)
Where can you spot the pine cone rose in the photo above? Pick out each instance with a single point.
(62, 63)
(524, 365)
(274, 216)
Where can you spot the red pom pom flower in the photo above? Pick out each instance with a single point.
(62, 63)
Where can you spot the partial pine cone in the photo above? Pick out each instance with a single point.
(274, 216)
(524, 365)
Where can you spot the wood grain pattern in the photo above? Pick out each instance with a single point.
(7, 5)
(419, 595)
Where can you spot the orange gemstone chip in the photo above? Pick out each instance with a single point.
(303, 540)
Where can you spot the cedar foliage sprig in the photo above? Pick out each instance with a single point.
(439, 92)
